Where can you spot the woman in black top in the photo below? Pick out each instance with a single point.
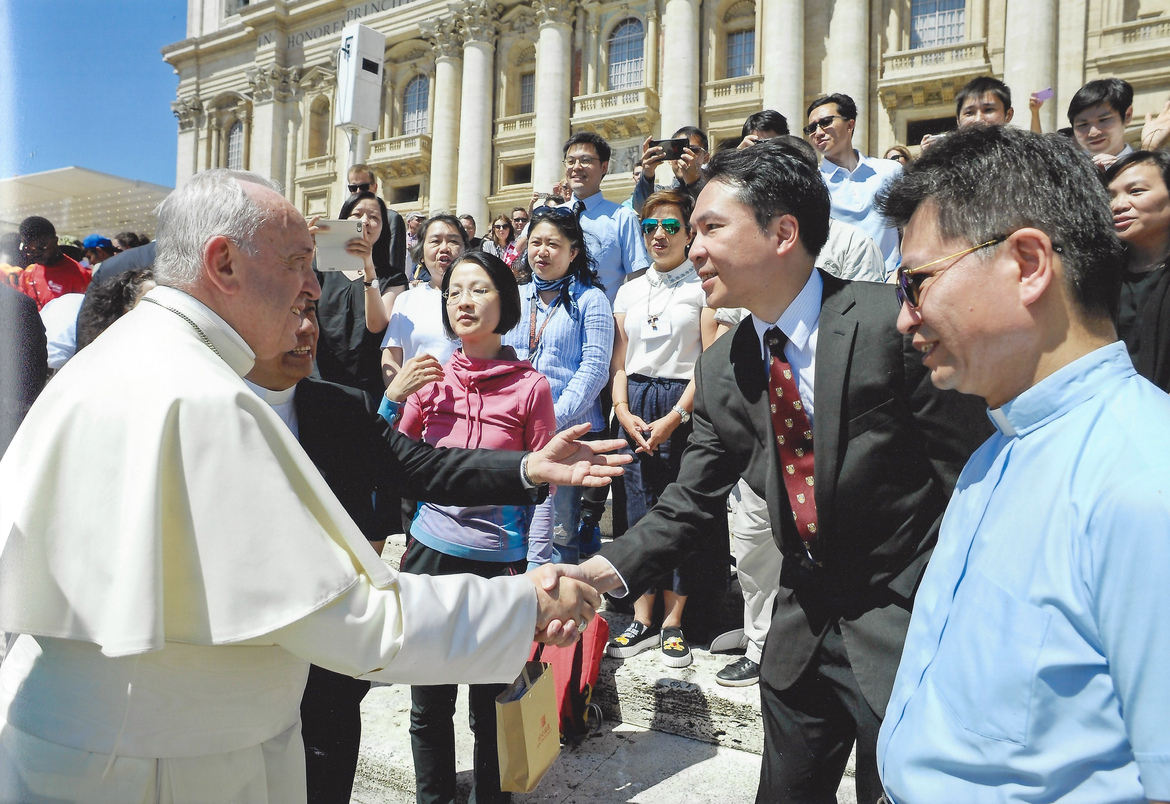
(354, 306)
(1138, 186)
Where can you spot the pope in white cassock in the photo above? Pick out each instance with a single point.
(173, 560)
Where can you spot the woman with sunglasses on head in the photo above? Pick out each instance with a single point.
(566, 332)
(483, 397)
(415, 338)
(662, 324)
(1138, 187)
(352, 312)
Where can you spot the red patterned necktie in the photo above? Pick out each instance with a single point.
(793, 438)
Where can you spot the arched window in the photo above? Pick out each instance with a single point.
(936, 22)
(626, 45)
(414, 106)
(320, 127)
(235, 146)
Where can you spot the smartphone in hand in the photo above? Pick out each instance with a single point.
(671, 149)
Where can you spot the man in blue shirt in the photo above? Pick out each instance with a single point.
(853, 179)
(613, 233)
(1034, 668)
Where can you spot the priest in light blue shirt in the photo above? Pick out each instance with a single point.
(1035, 668)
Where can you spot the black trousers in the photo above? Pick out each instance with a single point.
(331, 727)
(810, 728)
(432, 710)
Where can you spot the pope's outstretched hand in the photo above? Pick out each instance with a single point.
(565, 461)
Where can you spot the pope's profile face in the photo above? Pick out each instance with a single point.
(277, 282)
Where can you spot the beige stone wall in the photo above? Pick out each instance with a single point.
(271, 68)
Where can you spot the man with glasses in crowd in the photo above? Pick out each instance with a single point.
(687, 169)
(823, 408)
(853, 178)
(361, 179)
(1035, 663)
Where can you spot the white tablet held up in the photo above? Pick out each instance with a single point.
(331, 239)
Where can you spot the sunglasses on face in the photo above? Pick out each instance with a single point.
(553, 212)
(359, 188)
(671, 226)
(824, 122)
(500, 226)
(908, 287)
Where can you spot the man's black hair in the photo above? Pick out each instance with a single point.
(34, 227)
(588, 138)
(503, 280)
(989, 181)
(693, 131)
(766, 120)
(845, 105)
(106, 302)
(1112, 91)
(983, 85)
(774, 177)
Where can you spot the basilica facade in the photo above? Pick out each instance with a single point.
(478, 97)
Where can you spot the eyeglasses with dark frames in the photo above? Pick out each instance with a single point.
(824, 122)
(908, 287)
(359, 188)
(553, 212)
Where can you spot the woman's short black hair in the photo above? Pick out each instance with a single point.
(582, 265)
(416, 253)
(381, 250)
(504, 282)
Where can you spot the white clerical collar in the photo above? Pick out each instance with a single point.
(227, 342)
(799, 321)
(273, 398)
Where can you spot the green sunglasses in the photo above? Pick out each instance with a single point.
(671, 226)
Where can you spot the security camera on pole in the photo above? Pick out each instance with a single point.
(359, 86)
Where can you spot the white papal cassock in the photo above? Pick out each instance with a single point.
(174, 561)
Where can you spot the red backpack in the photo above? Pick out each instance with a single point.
(575, 671)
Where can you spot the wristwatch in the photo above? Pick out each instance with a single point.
(682, 413)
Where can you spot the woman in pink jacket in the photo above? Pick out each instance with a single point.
(482, 397)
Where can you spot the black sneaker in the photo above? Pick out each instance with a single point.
(635, 639)
(675, 650)
(743, 672)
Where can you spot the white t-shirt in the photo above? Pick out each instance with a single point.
(662, 322)
(416, 325)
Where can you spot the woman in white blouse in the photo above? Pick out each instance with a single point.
(662, 325)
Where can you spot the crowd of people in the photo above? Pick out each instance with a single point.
(930, 388)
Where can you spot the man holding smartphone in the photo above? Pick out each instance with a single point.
(686, 161)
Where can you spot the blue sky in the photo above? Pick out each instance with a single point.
(89, 87)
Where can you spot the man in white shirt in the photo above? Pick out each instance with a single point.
(168, 613)
(853, 179)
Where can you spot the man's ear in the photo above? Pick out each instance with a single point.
(1009, 114)
(1128, 116)
(1036, 262)
(220, 266)
(786, 230)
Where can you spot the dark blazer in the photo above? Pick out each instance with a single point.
(24, 361)
(1149, 341)
(888, 449)
(356, 451)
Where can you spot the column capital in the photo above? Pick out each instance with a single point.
(558, 12)
(477, 22)
(272, 82)
(188, 111)
(444, 38)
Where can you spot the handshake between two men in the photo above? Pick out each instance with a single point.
(566, 601)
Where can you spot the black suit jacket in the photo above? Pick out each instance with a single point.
(357, 453)
(888, 448)
(24, 361)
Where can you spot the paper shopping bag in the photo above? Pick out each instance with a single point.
(528, 737)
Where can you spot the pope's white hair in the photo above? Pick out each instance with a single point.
(207, 205)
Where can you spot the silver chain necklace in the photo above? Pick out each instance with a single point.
(202, 335)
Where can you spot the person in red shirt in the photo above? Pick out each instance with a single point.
(50, 273)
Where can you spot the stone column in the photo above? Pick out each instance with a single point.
(592, 52)
(271, 91)
(781, 48)
(679, 103)
(651, 47)
(445, 132)
(847, 68)
(189, 112)
(477, 24)
(554, 71)
(1029, 57)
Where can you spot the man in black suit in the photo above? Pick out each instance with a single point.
(818, 368)
(24, 362)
